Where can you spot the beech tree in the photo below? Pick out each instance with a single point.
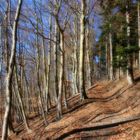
(138, 13)
(82, 88)
(10, 72)
(62, 73)
(56, 55)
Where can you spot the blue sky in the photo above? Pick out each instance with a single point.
(97, 23)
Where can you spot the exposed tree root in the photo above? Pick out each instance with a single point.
(98, 127)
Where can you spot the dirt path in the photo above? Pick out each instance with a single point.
(111, 107)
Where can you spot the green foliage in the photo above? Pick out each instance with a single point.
(120, 57)
(114, 22)
(121, 53)
(131, 49)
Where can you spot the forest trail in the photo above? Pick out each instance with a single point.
(111, 112)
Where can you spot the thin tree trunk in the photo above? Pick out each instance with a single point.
(56, 58)
(65, 79)
(130, 77)
(39, 87)
(75, 61)
(46, 69)
(56, 61)
(46, 66)
(61, 77)
(82, 53)
(38, 82)
(38, 67)
(17, 106)
(74, 73)
(106, 55)
(138, 10)
(21, 102)
(1, 63)
(10, 72)
(29, 110)
(7, 20)
(87, 60)
(48, 73)
(111, 56)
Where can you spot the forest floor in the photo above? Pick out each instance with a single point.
(112, 112)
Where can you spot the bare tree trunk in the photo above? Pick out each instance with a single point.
(61, 77)
(7, 21)
(74, 72)
(138, 10)
(60, 68)
(65, 90)
(75, 60)
(130, 77)
(38, 67)
(1, 64)
(106, 55)
(52, 74)
(87, 60)
(16, 105)
(48, 70)
(29, 110)
(46, 66)
(39, 87)
(21, 102)
(56, 61)
(38, 82)
(111, 56)
(10, 72)
(82, 52)
(56, 58)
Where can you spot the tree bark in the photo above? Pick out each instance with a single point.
(130, 77)
(61, 77)
(20, 101)
(75, 60)
(111, 56)
(10, 72)
(138, 10)
(82, 52)
(87, 61)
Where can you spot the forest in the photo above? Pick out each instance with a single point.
(69, 69)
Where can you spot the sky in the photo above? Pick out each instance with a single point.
(97, 24)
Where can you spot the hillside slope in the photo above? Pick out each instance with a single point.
(111, 112)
